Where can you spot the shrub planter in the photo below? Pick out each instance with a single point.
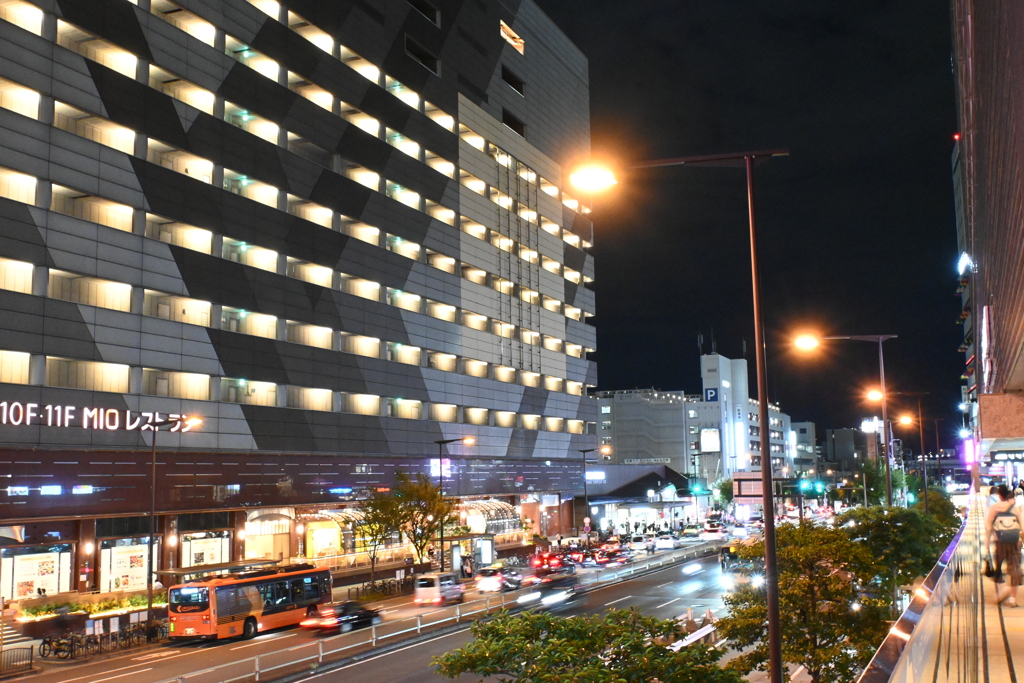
(53, 625)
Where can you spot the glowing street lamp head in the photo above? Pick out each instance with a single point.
(806, 342)
(874, 395)
(906, 420)
(606, 450)
(592, 178)
(468, 441)
(194, 422)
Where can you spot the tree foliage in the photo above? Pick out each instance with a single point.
(422, 511)
(380, 522)
(724, 488)
(942, 509)
(619, 646)
(904, 544)
(828, 627)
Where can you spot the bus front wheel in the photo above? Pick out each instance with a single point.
(250, 629)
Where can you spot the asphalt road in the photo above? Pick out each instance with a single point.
(667, 593)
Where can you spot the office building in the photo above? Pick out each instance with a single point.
(337, 233)
(708, 435)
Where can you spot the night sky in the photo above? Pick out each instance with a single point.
(857, 230)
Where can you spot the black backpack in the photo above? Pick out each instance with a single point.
(1007, 526)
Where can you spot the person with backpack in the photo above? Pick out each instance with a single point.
(1003, 525)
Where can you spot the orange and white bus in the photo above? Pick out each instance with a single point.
(242, 605)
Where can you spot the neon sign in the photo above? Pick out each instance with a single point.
(20, 414)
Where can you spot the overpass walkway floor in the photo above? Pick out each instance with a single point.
(1003, 646)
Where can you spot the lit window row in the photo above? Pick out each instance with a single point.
(118, 137)
(116, 378)
(80, 289)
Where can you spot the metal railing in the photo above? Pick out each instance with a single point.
(16, 659)
(311, 656)
(939, 636)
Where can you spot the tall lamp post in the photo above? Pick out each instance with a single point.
(441, 443)
(808, 342)
(189, 422)
(592, 179)
(906, 420)
(605, 450)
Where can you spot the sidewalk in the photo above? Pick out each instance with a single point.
(1004, 636)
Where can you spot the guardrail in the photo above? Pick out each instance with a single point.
(312, 655)
(15, 659)
(939, 636)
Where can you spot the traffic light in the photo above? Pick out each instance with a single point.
(697, 488)
(819, 487)
(804, 484)
(910, 497)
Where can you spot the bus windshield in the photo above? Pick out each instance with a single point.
(190, 596)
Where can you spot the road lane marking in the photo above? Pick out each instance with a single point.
(131, 673)
(619, 600)
(154, 655)
(664, 584)
(265, 640)
(68, 680)
(664, 604)
(387, 654)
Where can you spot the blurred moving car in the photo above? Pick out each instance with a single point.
(638, 542)
(713, 531)
(548, 560)
(691, 531)
(497, 579)
(666, 541)
(438, 588)
(739, 531)
(342, 617)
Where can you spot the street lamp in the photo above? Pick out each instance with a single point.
(605, 450)
(441, 443)
(906, 421)
(809, 342)
(175, 420)
(771, 571)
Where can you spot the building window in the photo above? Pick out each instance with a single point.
(512, 80)
(17, 98)
(16, 276)
(513, 123)
(250, 393)
(176, 384)
(605, 410)
(177, 308)
(14, 367)
(80, 374)
(422, 55)
(90, 291)
(512, 38)
(606, 425)
(427, 10)
(691, 413)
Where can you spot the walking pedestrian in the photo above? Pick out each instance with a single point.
(1003, 525)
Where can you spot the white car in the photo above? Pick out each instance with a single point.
(637, 542)
(713, 531)
(667, 542)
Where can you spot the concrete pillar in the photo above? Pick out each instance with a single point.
(141, 146)
(336, 340)
(138, 300)
(282, 201)
(139, 222)
(216, 311)
(282, 263)
(217, 245)
(220, 40)
(49, 27)
(282, 396)
(40, 280)
(238, 544)
(37, 370)
(169, 547)
(336, 401)
(282, 329)
(134, 380)
(85, 560)
(45, 112)
(215, 387)
(460, 415)
(44, 193)
(142, 70)
(217, 180)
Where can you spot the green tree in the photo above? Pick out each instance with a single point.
(619, 646)
(380, 523)
(827, 627)
(724, 488)
(874, 471)
(942, 509)
(904, 545)
(423, 511)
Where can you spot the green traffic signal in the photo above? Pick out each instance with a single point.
(804, 485)
(910, 497)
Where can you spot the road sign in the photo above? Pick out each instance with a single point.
(586, 520)
(711, 394)
(586, 529)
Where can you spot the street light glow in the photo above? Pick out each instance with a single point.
(606, 450)
(468, 441)
(874, 395)
(592, 178)
(806, 342)
(906, 420)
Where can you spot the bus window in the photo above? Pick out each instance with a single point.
(296, 586)
(190, 596)
(311, 591)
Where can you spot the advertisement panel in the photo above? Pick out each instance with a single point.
(124, 567)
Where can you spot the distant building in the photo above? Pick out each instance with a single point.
(805, 458)
(708, 435)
